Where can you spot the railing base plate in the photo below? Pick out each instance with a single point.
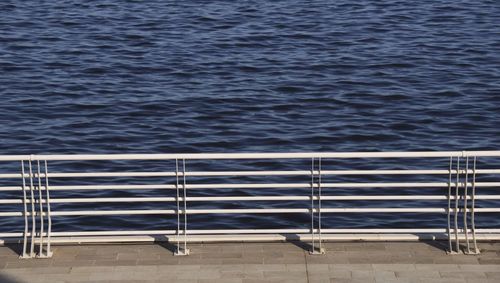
(474, 252)
(320, 251)
(46, 255)
(27, 256)
(182, 252)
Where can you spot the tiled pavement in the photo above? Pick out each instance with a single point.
(255, 262)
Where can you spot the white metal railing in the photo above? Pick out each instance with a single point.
(458, 174)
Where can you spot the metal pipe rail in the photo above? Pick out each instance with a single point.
(458, 185)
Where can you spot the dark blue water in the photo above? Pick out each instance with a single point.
(251, 76)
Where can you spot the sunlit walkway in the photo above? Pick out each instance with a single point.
(255, 262)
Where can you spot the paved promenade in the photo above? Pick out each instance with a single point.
(255, 262)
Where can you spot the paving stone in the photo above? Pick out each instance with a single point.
(242, 274)
(91, 269)
(327, 276)
(480, 267)
(137, 256)
(183, 260)
(27, 263)
(494, 274)
(188, 267)
(221, 280)
(437, 267)
(394, 267)
(364, 247)
(284, 260)
(359, 274)
(483, 280)
(62, 262)
(489, 261)
(318, 268)
(224, 267)
(350, 267)
(377, 260)
(327, 259)
(252, 260)
(384, 276)
(444, 280)
(115, 262)
(276, 280)
(265, 267)
(460, 260)
(162, 261)
(418, 274)
(200, 274)
(462, 274)
(284, 274)
(318, 279)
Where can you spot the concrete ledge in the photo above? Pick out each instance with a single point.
(254, 238)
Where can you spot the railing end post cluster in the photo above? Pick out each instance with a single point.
(36, 189)
(466, 208)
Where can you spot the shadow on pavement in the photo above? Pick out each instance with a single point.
(6, 279)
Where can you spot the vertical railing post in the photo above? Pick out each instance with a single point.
(33, 211)
(472, 212)
(456, 209)
(448, 230)
(320, 249)
(312, 207)
(177, 201)
(48, 252)
(40, 206)
(41, 188)
(184, 188)
(25, 214)
(184, 250)
(465, 206)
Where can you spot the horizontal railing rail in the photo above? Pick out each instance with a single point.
(297, 155)
(26, 194)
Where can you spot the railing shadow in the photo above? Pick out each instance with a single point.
(423, 238)
(7, 279)
(438, 244)
(16, 248)
(295, 240)
(165, 243)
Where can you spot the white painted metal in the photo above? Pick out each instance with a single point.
(248, 198)
(263, 186)
(307, 155)
(247, 211)
(380, 231)
(252, 173)
(253, 238)
(302, 155)
(465, 180)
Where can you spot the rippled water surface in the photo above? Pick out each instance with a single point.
(248, 76)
